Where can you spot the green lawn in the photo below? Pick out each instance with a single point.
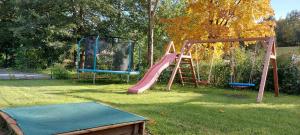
(288, 50)
(184, 110)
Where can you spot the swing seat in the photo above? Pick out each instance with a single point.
(235, 84)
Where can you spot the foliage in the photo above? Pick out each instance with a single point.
(288, 30)
(288, 74)
(27, 59)
(51, 26)
(221, 19)
(60, 72)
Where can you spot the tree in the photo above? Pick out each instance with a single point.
(207, 19)
(50, 27)
(152, 6)
(288, 30)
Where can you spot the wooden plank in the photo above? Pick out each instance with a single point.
(275, 74)
(180, 76)
(171, 80)
(171, 48)
(228, 40)
(265, 70)
(273, 57)
(193, 72)
(275, 71)
(11, 123)
(104, 129)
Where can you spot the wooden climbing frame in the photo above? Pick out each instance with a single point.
(185, 53)
(184, 58)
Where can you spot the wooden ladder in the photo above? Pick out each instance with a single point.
(184, 58)
(186, 72)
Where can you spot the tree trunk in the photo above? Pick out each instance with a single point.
(6, 59)
(150, 34)
(81, 65)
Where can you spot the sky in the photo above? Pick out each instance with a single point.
(282, 7)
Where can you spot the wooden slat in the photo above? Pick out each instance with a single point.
(193, 72)
(228, 40)
(11, 123)
(89, 131)
(273, 57)
(185, 63)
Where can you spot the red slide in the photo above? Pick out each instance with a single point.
(152, 74)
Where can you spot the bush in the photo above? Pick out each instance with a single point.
(29, 59)
(60, 72)
(220, 75)
(288, 74)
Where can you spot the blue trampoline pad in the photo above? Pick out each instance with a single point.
(55, 119)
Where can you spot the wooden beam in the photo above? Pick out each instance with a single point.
(275, 70)
(265, 70)
(228, 40)
(170, 48)
(275, 74)
(273, 57)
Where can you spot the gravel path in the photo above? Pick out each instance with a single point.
(8, 75)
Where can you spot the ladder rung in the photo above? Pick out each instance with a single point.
(189, 83)
(186, 57)
(188, 79)
(185, 68)
(185, 63)
(186, 73)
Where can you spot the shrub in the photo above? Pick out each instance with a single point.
(29, 59)
(288, 74)
(60, 72)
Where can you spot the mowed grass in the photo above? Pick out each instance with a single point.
(184, 110)
(288, 51)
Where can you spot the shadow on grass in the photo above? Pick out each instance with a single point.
(92, 91)
(42, 83)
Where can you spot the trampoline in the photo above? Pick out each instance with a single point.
(70, 119)
(107, 55)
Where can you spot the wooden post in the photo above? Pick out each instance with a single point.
(177, 66)
(270, 48)
(275, 73)
(275, 69)
(174, 72)
(193, 70)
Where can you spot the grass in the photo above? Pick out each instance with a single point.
(184, 110)
(288, 50)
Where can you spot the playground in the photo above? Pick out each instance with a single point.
(184, 110)
(151, 67)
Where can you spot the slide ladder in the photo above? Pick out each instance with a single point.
(186, 71)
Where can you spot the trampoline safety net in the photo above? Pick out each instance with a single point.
(113, 54)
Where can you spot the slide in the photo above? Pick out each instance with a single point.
(153, 73)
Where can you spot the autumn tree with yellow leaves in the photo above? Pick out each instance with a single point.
(207, 19)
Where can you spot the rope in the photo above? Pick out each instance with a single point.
(253, 64)
(197, 64)
(211, 65)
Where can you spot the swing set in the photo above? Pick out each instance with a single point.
(185, 56)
